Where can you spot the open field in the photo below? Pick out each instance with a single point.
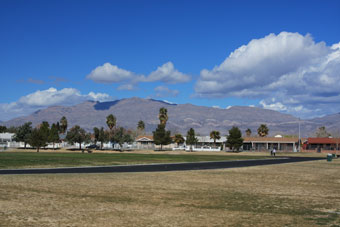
(59, 159)
(296, 194)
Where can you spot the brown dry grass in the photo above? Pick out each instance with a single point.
(299, 194)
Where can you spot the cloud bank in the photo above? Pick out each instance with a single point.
(289, 72)
(50, 97)
(108, 73)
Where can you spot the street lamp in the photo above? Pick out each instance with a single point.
(299, 137)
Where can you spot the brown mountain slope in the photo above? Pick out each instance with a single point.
(181, 117)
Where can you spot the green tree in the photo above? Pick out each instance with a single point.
(263, 130)
(191, 138)
(37, 138)
(163, 116)
(248, 132)
(96, 134)
(54, 134)
(63, 125)
(77, 135)
(58, 126)
(141, 126)
(103, 137)
(178, 139)
(215, 135)
(161, 136)
(45, 129)
(322, 132)
(121, 136)
(23, 133)
(111, 121)
(12, 129)
(234, 139)
(3, 129)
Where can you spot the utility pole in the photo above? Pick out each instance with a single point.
(299, 138)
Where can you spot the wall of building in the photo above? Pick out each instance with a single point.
(322, 151)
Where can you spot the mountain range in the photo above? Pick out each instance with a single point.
(182, 117)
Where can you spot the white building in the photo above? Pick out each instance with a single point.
(6, 139)
(204, 143)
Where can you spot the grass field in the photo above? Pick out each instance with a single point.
(295, 194)
(59, 159)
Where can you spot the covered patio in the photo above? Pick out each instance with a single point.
(269, 143)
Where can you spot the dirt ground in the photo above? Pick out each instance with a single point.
(298, 194)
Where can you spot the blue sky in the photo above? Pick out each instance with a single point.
(281, 55)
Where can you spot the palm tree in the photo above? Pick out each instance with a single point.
(63, 125)
(141, 126)
(248, 132)
(215, 135)
(111, 121)
(263, 130)
(163, 116)
(178, 139)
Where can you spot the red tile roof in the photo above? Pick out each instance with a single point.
(323, 140)
(271, 139)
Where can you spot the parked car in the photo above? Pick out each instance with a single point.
(92, 146)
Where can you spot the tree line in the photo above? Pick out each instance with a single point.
(43, 134)
(163, 137)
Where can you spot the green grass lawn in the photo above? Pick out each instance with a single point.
(55, 159)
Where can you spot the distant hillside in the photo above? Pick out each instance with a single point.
(332, 122)
(181, 117)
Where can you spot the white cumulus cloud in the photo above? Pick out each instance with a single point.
(289, 72)
(50, 96)
(167, 74)
(44, 98)
(101, 97)
(108, 73)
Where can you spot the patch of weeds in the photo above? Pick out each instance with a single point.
(325, 219)
(260, 204)
(240, 201)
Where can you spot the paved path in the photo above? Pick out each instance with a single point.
(161, 167)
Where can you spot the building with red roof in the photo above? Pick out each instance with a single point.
(320, 144)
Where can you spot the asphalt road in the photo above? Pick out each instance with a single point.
(160, 167)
